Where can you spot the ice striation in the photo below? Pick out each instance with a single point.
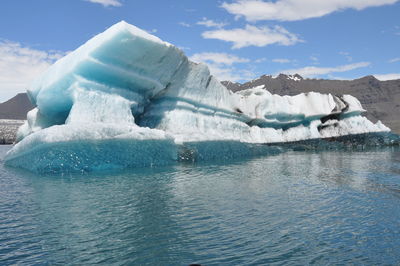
(125, 98)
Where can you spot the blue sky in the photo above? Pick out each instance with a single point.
(239, 39)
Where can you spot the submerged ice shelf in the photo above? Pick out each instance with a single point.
(125, 98)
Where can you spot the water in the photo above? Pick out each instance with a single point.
(291, 208)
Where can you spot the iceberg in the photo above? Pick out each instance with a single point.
(126, 98)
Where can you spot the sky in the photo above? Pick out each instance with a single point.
(239, 40)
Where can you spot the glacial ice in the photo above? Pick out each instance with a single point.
(125, 98)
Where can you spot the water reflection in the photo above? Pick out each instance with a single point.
(295, 207)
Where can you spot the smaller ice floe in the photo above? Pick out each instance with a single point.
(358, 142)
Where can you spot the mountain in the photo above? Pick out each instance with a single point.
(16, 107)
(381, 99)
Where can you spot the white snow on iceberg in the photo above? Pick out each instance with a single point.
(125, 98)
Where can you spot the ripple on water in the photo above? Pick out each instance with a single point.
(291, 208)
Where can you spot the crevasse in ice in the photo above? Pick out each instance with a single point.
(125, 98)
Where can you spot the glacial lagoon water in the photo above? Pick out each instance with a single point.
(300, 207)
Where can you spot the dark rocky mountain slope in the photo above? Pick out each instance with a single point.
(16, 107)
(381, 99)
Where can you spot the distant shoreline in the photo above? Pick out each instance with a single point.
(8, 130)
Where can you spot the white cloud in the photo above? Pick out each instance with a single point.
(281, 60)
(291, 10)
(338, 78)
(221, 66)
(152, 31)
(218, 58)
(230, 73)
(184, 24)
(394, 60)
(211, 23)
(260, 60)
(183, 48)
(312, 71)
(314, 60)
(347, 56)
(253, 36)
(106, 3)
(20, 65)
(391, 76)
